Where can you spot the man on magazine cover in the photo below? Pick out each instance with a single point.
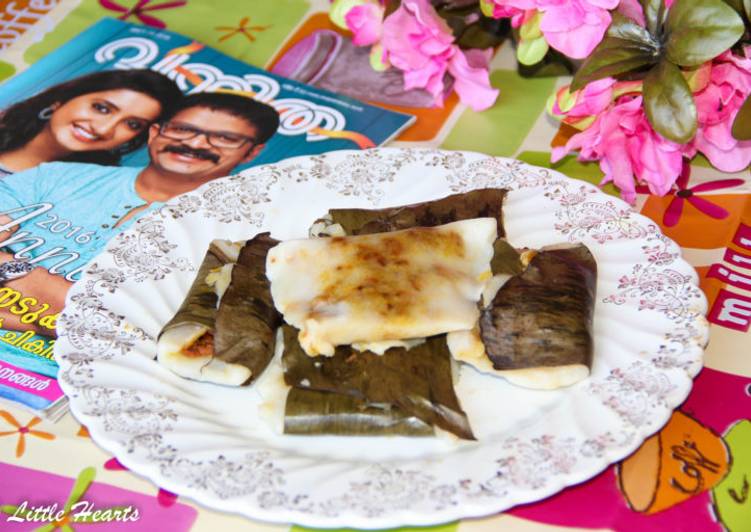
(61, 215)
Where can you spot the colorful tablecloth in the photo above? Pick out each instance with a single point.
(695, 474)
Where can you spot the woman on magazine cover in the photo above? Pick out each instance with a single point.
(96, 118)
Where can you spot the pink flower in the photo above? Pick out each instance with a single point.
(513, 9)
(673, 213)
(470, 72)
(591, 100)
(419, 42)
(633, 10)
(627, 147)
(139, 10)
(580, 108)
(717, 105)
(575, 27)
(366, 23)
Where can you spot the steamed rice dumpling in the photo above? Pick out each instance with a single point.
(405, 284)
(417, 381)
(228, 340)
(537, 331)
(185, 343)
(389, 297)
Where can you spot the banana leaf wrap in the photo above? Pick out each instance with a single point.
(314, 412)
(543, 317)
(246, 320)
(506, 259)
(418, 381)
(479, 203)
(199, 305)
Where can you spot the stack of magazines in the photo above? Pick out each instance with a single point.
(106, 129)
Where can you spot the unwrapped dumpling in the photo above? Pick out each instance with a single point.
(404, 284)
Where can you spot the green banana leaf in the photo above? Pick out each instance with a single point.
(313, 412)
(418, 381)
(199, 305)
(474, 204)
(506, 259)
(246, 320)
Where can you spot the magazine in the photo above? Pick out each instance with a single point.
(109, 127)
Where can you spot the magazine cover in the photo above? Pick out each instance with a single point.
(109, 127)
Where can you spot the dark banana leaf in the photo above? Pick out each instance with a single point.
(418, 381)
(474, 204)
(246, 320)
(543, 317)
(199, 305)
(313, 412)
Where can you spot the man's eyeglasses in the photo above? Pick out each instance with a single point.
(218, 139)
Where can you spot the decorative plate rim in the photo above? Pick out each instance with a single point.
(91, 334)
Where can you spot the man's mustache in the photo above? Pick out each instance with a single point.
(181, 149)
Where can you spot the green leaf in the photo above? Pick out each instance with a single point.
(531, 52)
(612, 57)
(84, 480)
(554, 64)
(742, 7)
(699, 30)
(8, 509)
(735, 4)
(623, 27)
(531, 28)
(669, 103)
(742, 124)
(626, 47)
(654, 15)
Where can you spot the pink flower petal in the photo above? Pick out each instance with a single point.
(734, 159)
(708, 208)
(682, 181)
(108, 4)
(716, 185)
(604, 4)
(114, 465)
(673, 212)
(366, 24)
(633, 10)
(568, 16)
(720, 136)
(472, 84)
(574, 27)
(558, 153)
(166, 498)
(150, 21)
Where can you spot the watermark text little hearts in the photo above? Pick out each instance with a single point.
(79, 512)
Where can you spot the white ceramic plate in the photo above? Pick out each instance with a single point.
(213, 443)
